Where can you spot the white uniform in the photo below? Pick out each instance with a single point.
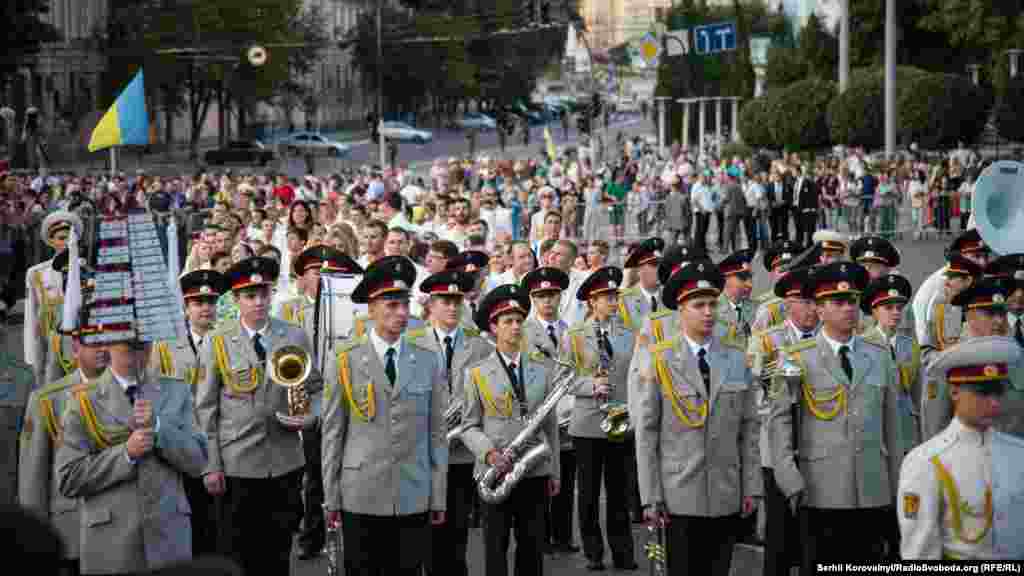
(50, 280)
(958, 463)
(926, 293)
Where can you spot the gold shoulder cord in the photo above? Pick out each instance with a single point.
(68, 366)
(166, 360)
(368, 409)
(103, 436)
(940, 326)
(624, 312)
(577, 354)
(814, 402)
(667, 388)
(659, 332)
(229, 378)
(53, 425)
(487, 395)
(953, 500)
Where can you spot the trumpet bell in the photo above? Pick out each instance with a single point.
(257, 55)
(290, 366)
(998, 210)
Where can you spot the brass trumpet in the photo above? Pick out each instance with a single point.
(615, 423)
(289, 366)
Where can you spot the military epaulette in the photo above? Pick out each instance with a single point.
(666, 345)
(415, 333)
(932, 447)
(631, 291)
(734, 343)
(417, 342)
(800, 346)
(82, 387)
(660, 313)
(1011, 439)
(352, 344)
(875, 343)
(766, 297)
(58, 386)
(536, 356)
(873, 337)
(471, 331)
(576, 329)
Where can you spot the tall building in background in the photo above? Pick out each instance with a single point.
(613, 22)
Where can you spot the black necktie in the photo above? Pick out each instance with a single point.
(654, 303)
(449, 351)
(389, 365)
(517, 390)
(257, 345)
(132, 391)
(705, 368)
(844, 360)
(553, 337)
(606, 344)
(807, 335)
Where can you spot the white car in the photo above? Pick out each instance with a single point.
(476, 120)
(404, 133)
(313, 143)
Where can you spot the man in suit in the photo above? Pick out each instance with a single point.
(456, 347)
(301, 311)
(781, 545)
(737, 212)
(639, 300)
(200, 290)
(256, 457)
(696, 417)
(44, 294)
(385, 455)
(502, 391)
(847, 428)
(735, 309)
(771, 309)
(128, 442)
(806, 214)
(38, 480)
(544, 329)
(601, 349)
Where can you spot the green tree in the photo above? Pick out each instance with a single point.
(1009, 115)
(818, 48)
(26, 33)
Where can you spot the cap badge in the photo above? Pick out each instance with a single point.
(869, 254)
(545, 284)
(656, 253)
(256, 279)
(786, 255)
(613, 284)
(843, 286)
(703, 284)
(842, 268)
(894, 292)
(453, 288)
(1018, 275)
(997, 298)
(700, 267)
(471, 268)
(400, 285)
(514, 303)
(991, 370)
(204, 289)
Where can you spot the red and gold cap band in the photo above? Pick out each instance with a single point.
(887, 296)
(649, 258)
(872, 256)
(832, 246)
(506, 306)
(988, 301)
(780, 258)
(956, 269)
(59, 226)
(737, 268)
(544, 286)
(983, 373)
(250, 280)
(842, 287)
(446, 290)
(695, 287)
(970, 246)
(388, 287)
(203, 291)
(602, 287)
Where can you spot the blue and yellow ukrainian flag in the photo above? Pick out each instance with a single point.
(126, 121)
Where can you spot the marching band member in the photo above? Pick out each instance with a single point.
(301, 311)
(800, 323)
(601, 349)
(128, 442)
(544, 329)
(38, 478)
(983, 306)
(661, 324)
(44, 295)
(960, 495)
(968, 245)
(385, 456)
(502, 393)
(879, 257)
(182, 359)
(735, 308)
(476, 263)
(636, 302)
(456, 347)
(944, 319)
(884, 300)
(771, 308)
(844, 402)
(255, 463)
(696, 418)
(60, 359)
(1011, 267)
(831, 244)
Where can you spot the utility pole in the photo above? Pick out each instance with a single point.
(890, 78)
(380, 86)
(844, 45)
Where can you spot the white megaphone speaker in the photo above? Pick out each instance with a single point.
(257, 56)
(998, 207)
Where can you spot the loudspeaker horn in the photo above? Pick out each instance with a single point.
(998, 207)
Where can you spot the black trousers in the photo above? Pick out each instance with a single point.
(599, 459)
(204, 525)
(750, 229)
(447, 555)
(69, 567)
(720, 222)
(560, 508)
(780, 223)
(701, 235)
(523, 512)
(257, 519)
(701, 545)
(806, 224)
(781, 529)
(385, 545)
(840, 535)
(313, 533)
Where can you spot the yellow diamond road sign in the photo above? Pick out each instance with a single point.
(649, 49)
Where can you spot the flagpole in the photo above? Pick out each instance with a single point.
(113, 161)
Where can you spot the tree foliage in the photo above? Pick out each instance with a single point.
(25, 34)
(753, 123)
(1009, 112)
(938, 111)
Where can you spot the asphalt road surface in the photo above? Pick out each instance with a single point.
(920, 258)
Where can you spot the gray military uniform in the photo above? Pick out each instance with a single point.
(731, 327)
(38, 481)
(907, 355)
(771, 311)
(135, 516)
(635, 305)
(943, 326)
(698, 465)
(580, 347)
(246, 441)
(16, 382)
(935, 401)
(852, 460)
(60, 361)
(384, 446)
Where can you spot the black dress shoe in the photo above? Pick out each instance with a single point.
(595, 565)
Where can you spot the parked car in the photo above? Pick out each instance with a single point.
(240, 152)
(313, 143)
(471, 120)
(404, 133)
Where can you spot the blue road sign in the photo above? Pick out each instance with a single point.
(715, 38)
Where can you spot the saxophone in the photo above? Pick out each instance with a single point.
(525, 451)
(453, 419)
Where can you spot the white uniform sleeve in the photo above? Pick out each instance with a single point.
(30, 320)
(920, 510)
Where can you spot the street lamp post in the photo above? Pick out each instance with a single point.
(380, 87)
(890, 78)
